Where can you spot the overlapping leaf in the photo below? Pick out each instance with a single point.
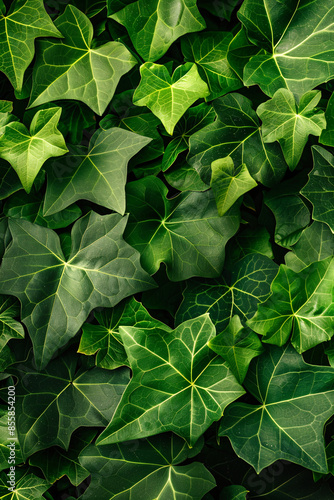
(178, 384)
(28, 486)
(57, 294)
(186, 232)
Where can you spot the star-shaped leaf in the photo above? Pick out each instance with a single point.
(105, 338)
(27, 150)
(72, 69)
(178, 384)
(104, 163)
(53, 403)
(238, 346)
(300, 303)
(168, 97)
(24, 21)
(28, 486)
(295, 400)
(147, 468)
(229, 183)
(57, 294)
(153, 25)
(289, 124)
(319, 189)
(186, 232)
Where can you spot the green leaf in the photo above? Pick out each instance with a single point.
(27, 487)
(104, 163)
(185, 232)
(105, 338)
(55, 462)
(53, 403)
(168, 97)
(30, 207)
(9, 327)
(236, 133)
(327, 136)
(146, 468)
(199, 385)
(57, 294)
(153, 25)
(233, 493)
(6, 439)
(237, 291)
(240, 51)
(316, 243)
(238, 346)
(319, 189)
(220, 8)
(183, 177)
(296, 42)
(289, 124)
(9, 181)
(209, 51)
(301, 304)
(72, 69)
(296, 400)
(24, 21)
(27, 150)
(250, 240)
(228, 183)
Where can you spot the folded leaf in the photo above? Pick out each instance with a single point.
(72, 69)
(27, 150)
(58, 294)
(295, 400)
(168, 97)
(178, 384)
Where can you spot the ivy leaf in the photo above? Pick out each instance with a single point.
(6, 439)
(250, 240)
(27, 150)
(220, 8)
(27, 486)
(240, 51)
(72, 69)
(209, 51)
(24, 21)
(235, 292)
(183, 177)
(319, 189)
(53, 403)
(289, 124)
(229, 183)
(291, 36)
(9, 181)
(234, 492)
(104, 163)
(153, 25)
(327, 136)
(300, 303)
(236, 133)
(296, 400)
(146, 468)
(168, 97)
(9, 327)
(199, 385)
(315, 243)
(238, 346)
(105, 338)
(55, 463)
(186, 232)
(53, 305)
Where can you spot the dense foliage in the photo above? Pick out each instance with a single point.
(166, 235)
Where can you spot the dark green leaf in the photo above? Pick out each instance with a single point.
(327, 135)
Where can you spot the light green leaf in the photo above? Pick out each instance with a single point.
(289, 124)
(72, 69)
(319, 189)
(168, 97)
(228, 183)
(238, 346)
(295, 400)
(104, 163)
(316, 243)
(27, 487)
(178, 384)
(6, 439)
(153, 25)
(236, 133)
(237, 291)
(105, 338)
(53, 403)
(57, 294)
(209, 51)
(327, 135)
(24, 21)
(296, 42)
(301, 304)
(146, 468)
(185, 232)
(27, 150)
